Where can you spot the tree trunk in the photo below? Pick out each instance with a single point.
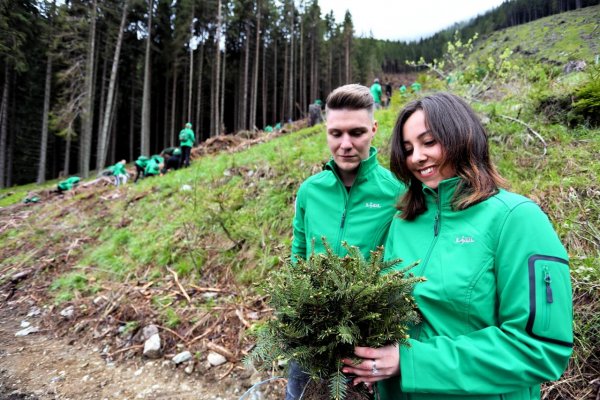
(292, 71)
(173, 104)
(244, 109)
(275, 82)
(131, 124)
(85, 149)
(264, 87)
(197, 123)
(222, 108)
(41, 175)
(66, 165)
(103, 139)
(146, 99)
(215, 115)
(302, 88)
(191, 75)
(255, 72)
(3, 126)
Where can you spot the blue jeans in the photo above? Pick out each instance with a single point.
(297, 381)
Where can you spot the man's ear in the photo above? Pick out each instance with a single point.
(375, 127)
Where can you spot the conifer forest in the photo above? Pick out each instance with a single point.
(86, 82)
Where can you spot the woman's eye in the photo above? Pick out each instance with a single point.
(408, 151)
(430, 143)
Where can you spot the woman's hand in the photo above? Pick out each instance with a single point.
(378, 364)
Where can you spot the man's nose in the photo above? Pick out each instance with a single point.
(346, 141)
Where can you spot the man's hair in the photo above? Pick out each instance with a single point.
(453, 124)
(351, 97)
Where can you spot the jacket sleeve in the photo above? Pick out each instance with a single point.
(299, 240)
(532, 340)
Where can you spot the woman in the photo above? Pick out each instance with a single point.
(497, 304)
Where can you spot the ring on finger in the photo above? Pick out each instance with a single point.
(374, 370)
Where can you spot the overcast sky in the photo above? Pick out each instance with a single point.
(405, 20)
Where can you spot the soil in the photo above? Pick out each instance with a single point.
(41, 366)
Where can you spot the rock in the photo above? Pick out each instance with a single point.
(152, 346)
(182, 357)
(574, 66)
(189, 369)
(34, 311)
(27, 331)
(68, 312)
(216, 359)
(209, 295)
(25, 324)
(186, 188)
(149, 331)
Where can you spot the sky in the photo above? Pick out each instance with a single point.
(405, 20)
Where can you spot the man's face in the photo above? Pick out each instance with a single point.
(349, 136)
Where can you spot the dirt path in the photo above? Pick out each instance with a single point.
(39, 367)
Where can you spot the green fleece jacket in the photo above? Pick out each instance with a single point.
(186, 137)
(361, 216)
(496, 308)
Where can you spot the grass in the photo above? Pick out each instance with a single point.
(234, 225)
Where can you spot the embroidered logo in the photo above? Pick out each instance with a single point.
(373, 205)
(464, 239)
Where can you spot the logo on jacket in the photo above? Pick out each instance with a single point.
(373, 205)
(464, 239)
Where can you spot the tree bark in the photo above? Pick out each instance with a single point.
(215, 115)
(85, 149)
(197, 122)
(41, 175)
(146, 96)
(103, 139)
(255, 71)
(244, 105)
(3, 126)
(173, 104)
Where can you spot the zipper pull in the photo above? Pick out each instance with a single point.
(436, 225)
(343, 219)
(548, 280)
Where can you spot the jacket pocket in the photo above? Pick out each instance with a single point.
(550, 300)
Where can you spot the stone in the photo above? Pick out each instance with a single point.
(182, 357)
(189, 369)
(148, 331)
(216, 359)
(68, 312)
(27, 331)
(152, 347)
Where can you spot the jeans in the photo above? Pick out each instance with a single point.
(297, 381)
(185, 156)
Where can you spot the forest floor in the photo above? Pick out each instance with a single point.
(41, 366)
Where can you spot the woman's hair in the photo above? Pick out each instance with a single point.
(454, 125)
(351, 97)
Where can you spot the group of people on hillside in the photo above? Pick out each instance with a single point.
(496, 306)
(171, 158)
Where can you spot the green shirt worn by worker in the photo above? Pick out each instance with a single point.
(68, 183)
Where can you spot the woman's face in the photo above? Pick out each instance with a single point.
(424, 153)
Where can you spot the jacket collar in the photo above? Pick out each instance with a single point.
(444, 193)
(367, 165)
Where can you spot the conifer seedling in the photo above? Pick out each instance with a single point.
(327, 305)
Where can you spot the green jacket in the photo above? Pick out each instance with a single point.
(172, 151)
(68, 183)
(142, 161)
(186, 137)
(360, 217)
(497, 304)
(153, 165)
(376, 92)
(118, 169)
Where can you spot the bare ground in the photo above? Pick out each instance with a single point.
(42, 366)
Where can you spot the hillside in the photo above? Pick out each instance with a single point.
(184, 251)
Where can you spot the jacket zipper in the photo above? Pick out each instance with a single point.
(549, 297)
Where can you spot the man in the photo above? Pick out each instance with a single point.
(172, 156)
(186, 141)
(376, 92)
(351, 200)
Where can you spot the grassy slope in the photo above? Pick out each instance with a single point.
(233, 226)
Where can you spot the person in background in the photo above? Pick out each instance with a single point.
(172, 157)
(186, 141)
(119, 172)
(388, 94)
(154, 166)
(415, 87)
(315, 113)
(67, 184)
(140, 167)
(403, 90)
(376, 93)
(496, 306)
(351, 200)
